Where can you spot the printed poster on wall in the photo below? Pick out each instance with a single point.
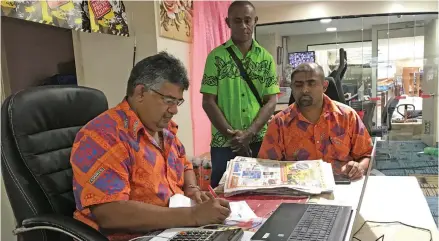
(175, 17)
(108, 17)
(64, 14)
(98, 16)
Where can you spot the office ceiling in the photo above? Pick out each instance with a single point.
(262, 4)
(349, 24)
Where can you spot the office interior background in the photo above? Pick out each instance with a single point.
(391, 58)
(388, 57)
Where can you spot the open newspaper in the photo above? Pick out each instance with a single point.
(251, 175)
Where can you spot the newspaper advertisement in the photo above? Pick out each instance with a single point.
(256, 174)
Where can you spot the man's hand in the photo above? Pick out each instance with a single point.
(214, 211)
(240, 141)
(353, 170)
(197, 195)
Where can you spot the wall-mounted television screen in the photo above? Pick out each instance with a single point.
(297, 58)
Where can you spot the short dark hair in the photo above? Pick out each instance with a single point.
(309, 68)
(239, 4)
(154, 70)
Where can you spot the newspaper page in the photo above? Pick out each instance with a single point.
(250, 174)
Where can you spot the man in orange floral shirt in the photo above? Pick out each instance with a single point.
(128, 161)
(316, 127)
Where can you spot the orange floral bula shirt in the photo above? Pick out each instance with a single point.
(338, 136)
(115, 159)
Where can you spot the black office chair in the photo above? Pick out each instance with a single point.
(369, 110)
(38, 127)
(338, 75)
(387, 112)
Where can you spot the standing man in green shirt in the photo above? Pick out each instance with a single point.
(239, 91)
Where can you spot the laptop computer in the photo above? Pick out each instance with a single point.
(310, 222)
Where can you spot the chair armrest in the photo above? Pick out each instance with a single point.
(58, 223)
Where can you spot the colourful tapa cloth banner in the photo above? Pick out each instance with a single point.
(108, 17)
(99, 16)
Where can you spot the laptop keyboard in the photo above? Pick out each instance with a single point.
(315, 224)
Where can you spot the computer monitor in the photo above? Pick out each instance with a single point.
(297, 58)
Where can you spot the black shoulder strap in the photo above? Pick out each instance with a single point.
(245, 75)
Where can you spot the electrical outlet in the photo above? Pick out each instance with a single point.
(427, 127)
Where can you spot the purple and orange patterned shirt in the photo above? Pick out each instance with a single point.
(339, 135)
(115, 159)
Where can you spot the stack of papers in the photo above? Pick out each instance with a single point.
(257, 176)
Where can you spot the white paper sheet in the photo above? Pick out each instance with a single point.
(240, 211)
(180, 201)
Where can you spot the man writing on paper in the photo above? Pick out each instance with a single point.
(316, 127)
(128, 161)
(239, 91)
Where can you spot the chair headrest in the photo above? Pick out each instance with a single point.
(44, 108)
(330, 79)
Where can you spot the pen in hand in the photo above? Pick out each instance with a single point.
(212, 192)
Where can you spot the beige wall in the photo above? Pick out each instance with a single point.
(7, 217)
(270, 42)
(180, 50)
(321, 9)
(104, 61)
(43, 46)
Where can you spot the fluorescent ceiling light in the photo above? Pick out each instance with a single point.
(326, 20)
(332, 29)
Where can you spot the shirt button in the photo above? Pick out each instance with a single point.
(243, 110)
(317, 142)
(242, 95)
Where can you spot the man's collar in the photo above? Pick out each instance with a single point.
(329, 108)
(133, 124)
(255, 44)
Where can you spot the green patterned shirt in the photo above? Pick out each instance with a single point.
(235, 99)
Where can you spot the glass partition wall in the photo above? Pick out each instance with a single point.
(387, 60)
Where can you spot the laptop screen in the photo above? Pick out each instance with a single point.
(369, 168)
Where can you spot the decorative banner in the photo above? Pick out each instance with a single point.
(176, 19)
(65, 14)
(106, 17)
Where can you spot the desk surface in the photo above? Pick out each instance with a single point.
(346, 195)
(385, 199)
(396, 199)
